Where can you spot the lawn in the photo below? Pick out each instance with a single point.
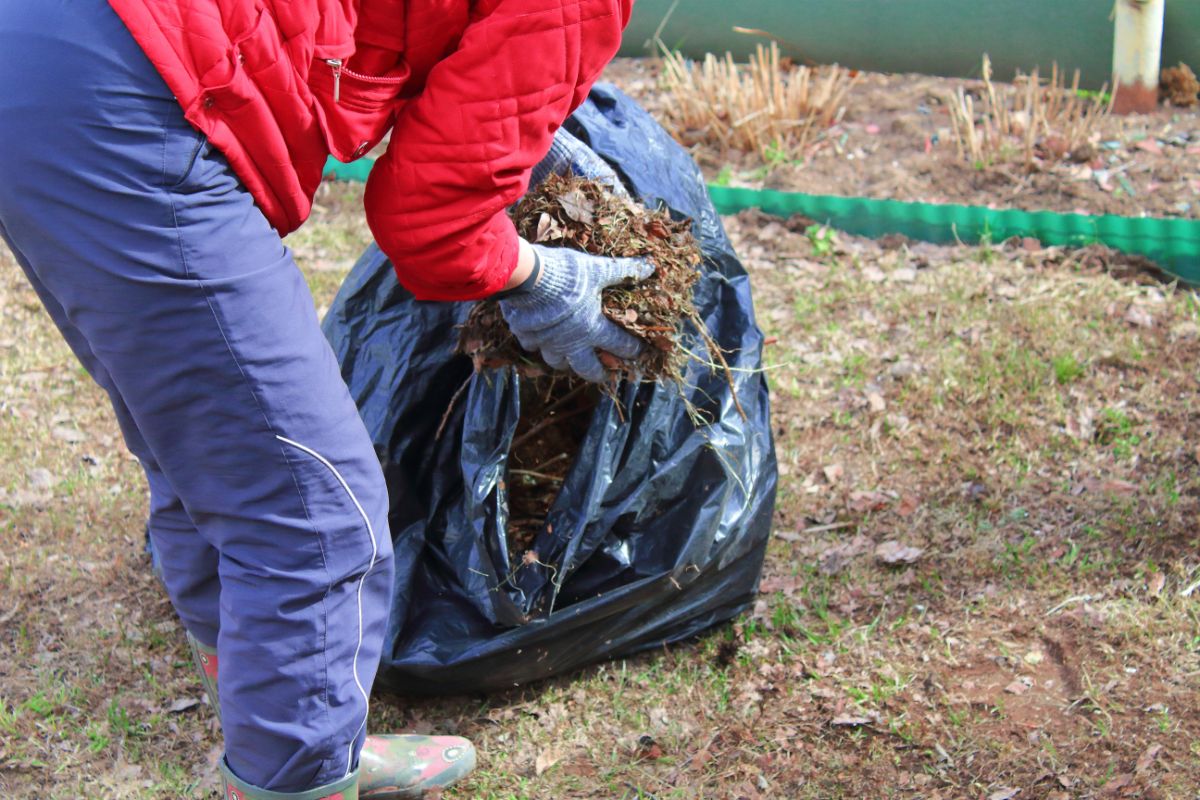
(980, 583)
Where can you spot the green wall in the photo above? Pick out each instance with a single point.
(937, 37)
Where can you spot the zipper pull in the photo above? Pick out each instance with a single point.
(336, 64)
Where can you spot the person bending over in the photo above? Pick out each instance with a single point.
(152, 155)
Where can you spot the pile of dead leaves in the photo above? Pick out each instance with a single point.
(572, 212)
(1179, 85)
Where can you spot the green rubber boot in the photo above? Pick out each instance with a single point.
(206, 664)
(401, 767)
(237, 789)
(405, 767)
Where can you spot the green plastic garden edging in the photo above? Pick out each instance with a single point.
(1173, 244)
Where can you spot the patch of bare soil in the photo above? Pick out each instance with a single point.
(894, 141)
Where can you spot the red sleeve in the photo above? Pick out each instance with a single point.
(461, 151)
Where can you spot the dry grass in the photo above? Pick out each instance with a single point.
(767, 106)
(1026, 119)
(1026, 419)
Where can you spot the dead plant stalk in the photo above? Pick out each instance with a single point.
(763, 105)
(1036, 120)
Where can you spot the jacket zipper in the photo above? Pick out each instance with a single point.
(336, 65)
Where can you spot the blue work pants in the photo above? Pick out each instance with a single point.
(268, 509)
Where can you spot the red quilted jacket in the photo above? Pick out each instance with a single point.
(472, 91)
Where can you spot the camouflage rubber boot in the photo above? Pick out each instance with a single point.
(237, 789)
(400, 767)
(404, 767)
(206, 664)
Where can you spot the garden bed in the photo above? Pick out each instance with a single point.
(895, 140)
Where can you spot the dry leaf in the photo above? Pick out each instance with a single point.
(69, 435)
(854, 720)
(183, 704)
(1139, 317)
(1117, 486)
(892, 552)
(546, 759)
(834, 559)
(833, 473)
(908, 505)
(578, 207)
(41, 478)
(1003, 794)
(1146, 759)
(863, 502)
(776, 583)
(1116, 784)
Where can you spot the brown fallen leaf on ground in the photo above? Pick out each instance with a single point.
(892, 552)
(183, 704)
(908, 505)
(546, 759)
(1116, 784)
(1139, 317)
(1147, 759)
(864, 502)
(648, 748)
(855, 720)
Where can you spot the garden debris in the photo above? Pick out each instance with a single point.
(1180, 86)
(582, 214)
(555, 413)
(567, 211)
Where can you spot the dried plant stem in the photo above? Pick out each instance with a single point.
(715, 350)
(550, 419)
(1035, 119)
(450, 408)
(764, 105)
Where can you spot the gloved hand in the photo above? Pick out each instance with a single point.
(557, 310)
(568, 154)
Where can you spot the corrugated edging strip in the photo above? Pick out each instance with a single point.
(1173, 244)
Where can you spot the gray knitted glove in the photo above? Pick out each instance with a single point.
(557, 311)
(568, 154)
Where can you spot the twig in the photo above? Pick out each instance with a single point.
(657, 37)
(450, 408)
(1079, 598)
(715, 349)
(546, 423)
(549, 461)
(539, 475)
(837, 526)
(566, 398)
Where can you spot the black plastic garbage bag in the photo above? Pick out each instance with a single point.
(660, 528)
